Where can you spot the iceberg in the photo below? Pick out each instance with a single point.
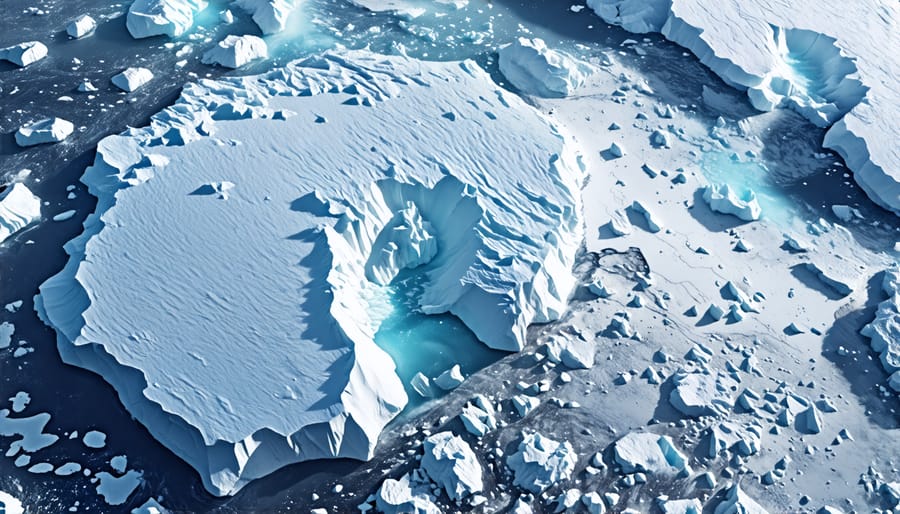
(282, 366)
(48, 130)
(148, 18)
(540, 462)
(236, 51)
(24, 54)
(537, 70)
(838, 71)
(269, 15)
(81, 26)
(19, 207)
(132, 78)
(721, 198)
(650, 453)
(450, 462)
(884, 330)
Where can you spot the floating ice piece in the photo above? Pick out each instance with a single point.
(421, 385)
(116, 490)
(525, 404)
(132, 78)
(567, 500)
(236, 51)
(20, 401)
(737, 502)
(81, 26)
(650, 453)
(67, 469)
(151, 506)
(270, 16)
(616, 150)
(540, 462)
(148, 18)
(86, 87)
(94, 439)
(884, 330)
(702, 394)
(593, 502)
(18, 209)
(722, 198)
(660, 139)
(30, 431)
(451, 464)
(846, 213)
(537, 70)
(619, 224)
(48, 130)
(450, 379)
(405, 496)
(24, 54)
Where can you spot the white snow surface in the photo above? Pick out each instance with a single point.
(24, 54)
(47, 130)
(535, 69)
(282, 366)
(19, 207)
(270, 16)
(11, 504)
(132, 78)
(148, 18)
(835, 68)
(236, 51)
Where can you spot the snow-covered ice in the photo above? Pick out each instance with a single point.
(541, 462)
(148, 18)
(81, 26)
(132, 78)
(496, 284)
(450, 462)
(236, 51)
(884, 330)
(24, 54)
(48, 130)
(649, 452)
(271, 16)
(19, 207)
(723, 198)
(535, 69)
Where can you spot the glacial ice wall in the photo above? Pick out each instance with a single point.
(832, 62)
(230, 281)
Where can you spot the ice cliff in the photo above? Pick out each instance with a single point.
(837, 70)
(238, 323)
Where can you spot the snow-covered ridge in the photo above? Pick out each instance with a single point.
(835, 69)
(345, 169)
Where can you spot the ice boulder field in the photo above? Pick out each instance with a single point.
(427, 256)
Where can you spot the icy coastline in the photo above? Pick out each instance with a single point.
(833, 69)
(234, 392)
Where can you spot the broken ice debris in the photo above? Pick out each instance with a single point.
(450, 462)
(573, 352)
(537, 70)
(405, 495)
(722, 198)
(541, 462)
(702, 394)
(524, 404)
(660, 139)
(81, 26)
(651, 453)
(132, 78)
(236, 51)
(619, 224)
(737, 501)
(653, 223)
(148, 18)
(478, 416)
(18, 209)
(616, 150)
(421, 385)
(48, 130)
(24, 54)
(450, 379)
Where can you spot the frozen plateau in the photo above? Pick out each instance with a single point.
(438, 256)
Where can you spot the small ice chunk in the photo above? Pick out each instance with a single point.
(722, 198)
(24, 54)
(69, 468)
(148, 18)
(132, 78)
(47, 130)
(450, 379)
(66, 215)
(81, 26)
(421, 385)
(653, 222)
(151, 506)
(18, 209)
(537, 70)
(736, 500)
(86, 87)
(7, 330)
(119, 463)
(94, 439)
(541, 462)
(236, 51)
(619, 224)
(20, 401)
(405, 495)
(702, 394)
(450, 462)
(524, 404)
(616, 150)
(650, 453)
(116, 490)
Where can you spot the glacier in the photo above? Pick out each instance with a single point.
(833, 67)
(238, 328)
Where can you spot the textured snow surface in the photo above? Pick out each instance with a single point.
(236, 51)
(326, 157)
(18, 209)
(270, 16)
(535, 69)
(885, 329)
(836, 67)
(147, 18)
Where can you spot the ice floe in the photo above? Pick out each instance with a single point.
(541, 462)
(450, 462)
(236, 51)
(19, 207)
(722, 198)
(148, 18)
(132, 78)
(48, 130)
(24, 54)
(81, 26)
